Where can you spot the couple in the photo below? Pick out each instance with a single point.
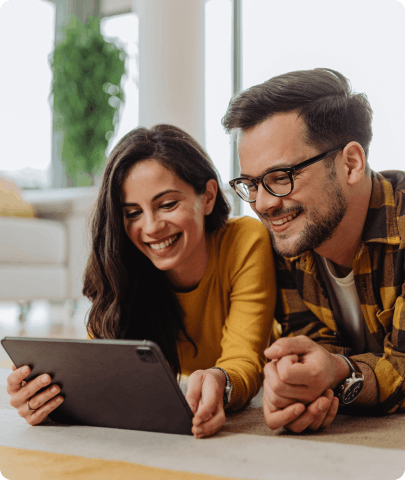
(169, 266)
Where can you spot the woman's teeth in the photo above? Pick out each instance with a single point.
(166, 243)
(284, 220)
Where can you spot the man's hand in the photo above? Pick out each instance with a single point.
(298, 417)
(305, 369)
(298, 385)
(205, 393)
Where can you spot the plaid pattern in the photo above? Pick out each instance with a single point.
(303, 306)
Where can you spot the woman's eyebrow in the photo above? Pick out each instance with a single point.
(132, 204)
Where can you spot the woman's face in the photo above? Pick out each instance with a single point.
(164, 218)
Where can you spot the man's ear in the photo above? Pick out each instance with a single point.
(355, 162)
(210, 195)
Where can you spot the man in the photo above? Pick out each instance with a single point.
(338, 230)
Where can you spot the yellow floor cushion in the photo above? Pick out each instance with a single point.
(11, 201)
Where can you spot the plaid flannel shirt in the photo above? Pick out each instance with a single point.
(303, 306)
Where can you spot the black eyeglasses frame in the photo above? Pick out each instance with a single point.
(290, 171)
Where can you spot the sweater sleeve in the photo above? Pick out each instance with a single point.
(247, 264)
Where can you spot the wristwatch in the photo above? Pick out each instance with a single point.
(351, 387)
(228, 387)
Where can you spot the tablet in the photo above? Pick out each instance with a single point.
(107, 383)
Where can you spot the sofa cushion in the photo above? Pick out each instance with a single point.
(32, 241)
(30, 282)
(11, 201)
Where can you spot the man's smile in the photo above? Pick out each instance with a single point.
(283, 220)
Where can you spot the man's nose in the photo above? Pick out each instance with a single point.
(265, 200)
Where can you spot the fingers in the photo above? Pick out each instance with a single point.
(16, 377)
(41, 415)
(23, 393)
(40, 399)
(273, 383)
(205, 391)
(318, 414)
(289, 345)
(275, 400)
(331, 413)
(211, 426)
(43, 403)
(324, 405)
(211, 399)
(279, 418)
(194, 389)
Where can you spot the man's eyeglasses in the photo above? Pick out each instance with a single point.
(278, 182)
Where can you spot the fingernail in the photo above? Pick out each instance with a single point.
(26, 370)
(297, 411)
(275, 349)
(54, 389)
(320, 407)
(59, 399)
(197, 431)
(45, 379)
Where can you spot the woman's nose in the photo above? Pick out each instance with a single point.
(153, 224)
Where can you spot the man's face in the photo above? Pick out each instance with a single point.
(310, 214)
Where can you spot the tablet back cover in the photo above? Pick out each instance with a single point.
(107, 383)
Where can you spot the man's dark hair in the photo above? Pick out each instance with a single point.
(333, 113)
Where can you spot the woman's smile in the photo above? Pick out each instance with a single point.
(162, 247)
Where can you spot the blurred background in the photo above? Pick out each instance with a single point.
(183, 61)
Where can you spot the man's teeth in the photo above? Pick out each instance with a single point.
(284, 220)
(166, 243)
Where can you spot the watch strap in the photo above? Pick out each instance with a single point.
(228, 386)
(354, 368)
(350, 388)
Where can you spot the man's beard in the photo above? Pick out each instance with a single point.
(319, 227)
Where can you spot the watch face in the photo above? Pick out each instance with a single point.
(352, 391)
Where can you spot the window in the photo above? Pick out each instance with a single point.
(218, 81)
(26, 39)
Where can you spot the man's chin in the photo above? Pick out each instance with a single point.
(285, 247)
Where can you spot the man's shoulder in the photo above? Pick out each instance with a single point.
(395, 177)
(386, 214)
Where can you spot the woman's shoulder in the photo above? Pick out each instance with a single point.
(245, 227)
(242, 233)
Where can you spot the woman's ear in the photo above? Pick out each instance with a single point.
(355, 162)
(210, 195)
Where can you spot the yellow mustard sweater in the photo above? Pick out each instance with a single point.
(230, 314)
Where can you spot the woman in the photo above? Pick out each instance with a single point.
(167, 265)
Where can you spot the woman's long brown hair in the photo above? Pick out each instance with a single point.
(131, 298)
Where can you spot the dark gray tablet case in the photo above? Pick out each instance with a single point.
(107, 383)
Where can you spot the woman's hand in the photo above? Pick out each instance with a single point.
(31, 405)
(205, 394)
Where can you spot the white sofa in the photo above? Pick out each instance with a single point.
(44, 258)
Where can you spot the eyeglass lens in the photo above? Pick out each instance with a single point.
(278, 182)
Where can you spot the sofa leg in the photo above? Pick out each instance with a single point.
(25, 307)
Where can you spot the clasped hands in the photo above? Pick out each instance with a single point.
(298, 385)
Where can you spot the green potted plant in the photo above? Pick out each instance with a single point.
(87, 96)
